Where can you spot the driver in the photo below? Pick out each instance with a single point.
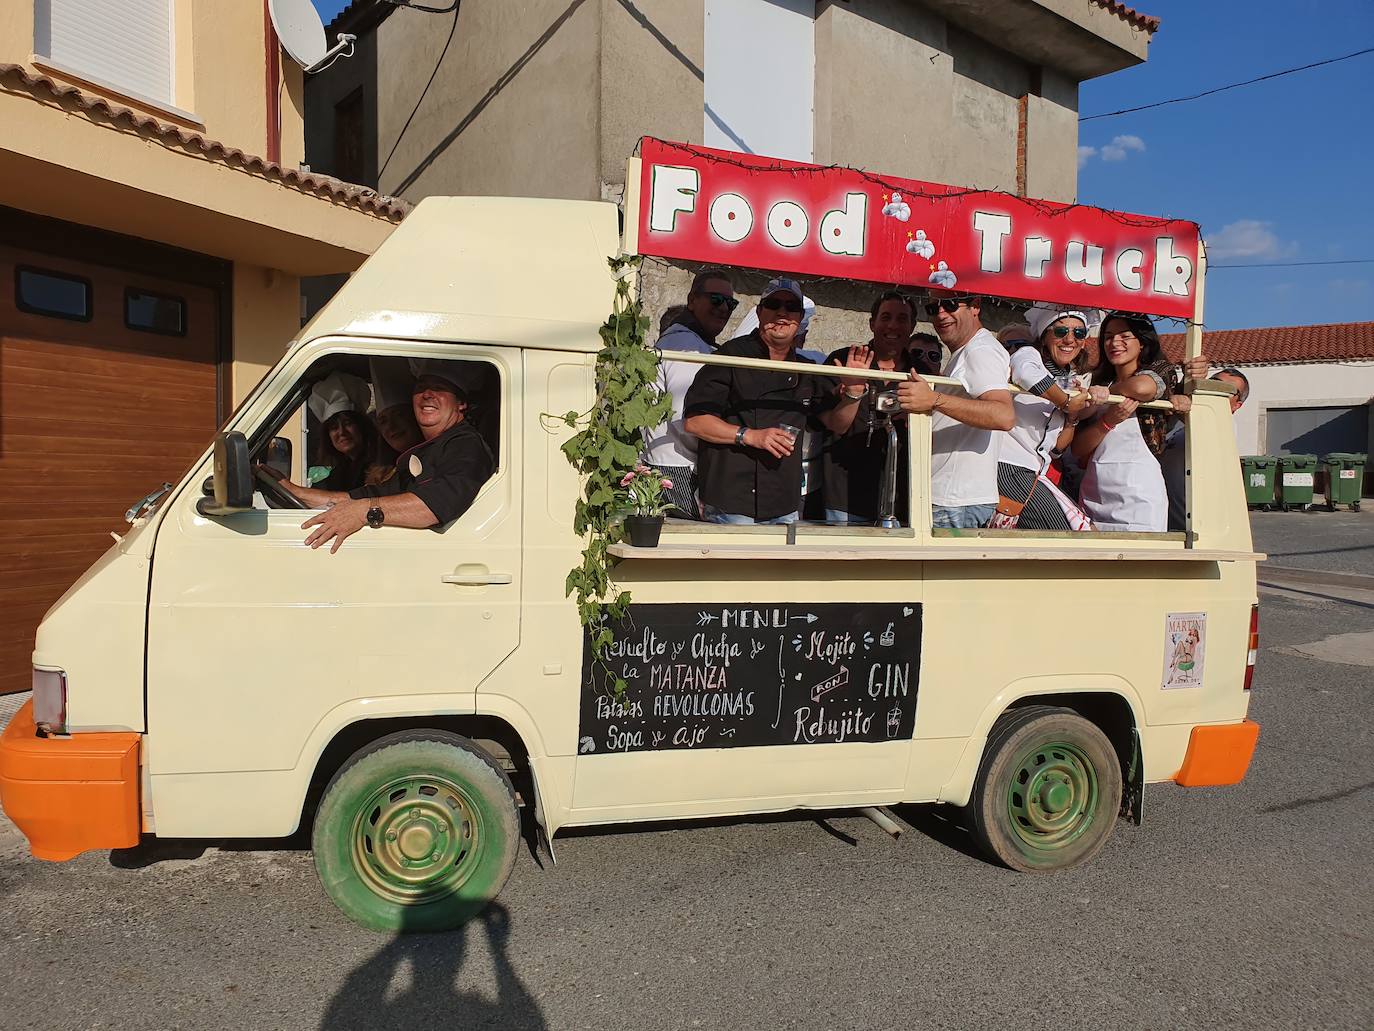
(436, 480)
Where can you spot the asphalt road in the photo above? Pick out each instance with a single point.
(1244, 907)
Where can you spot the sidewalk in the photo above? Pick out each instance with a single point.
(10, 704)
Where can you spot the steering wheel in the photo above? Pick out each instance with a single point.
(273, 490)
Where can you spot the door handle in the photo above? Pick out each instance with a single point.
(477, 579)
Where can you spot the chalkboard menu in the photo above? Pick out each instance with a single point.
(727, 676)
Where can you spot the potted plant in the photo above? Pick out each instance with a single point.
(641, 492)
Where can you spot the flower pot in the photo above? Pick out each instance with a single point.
(644, 530)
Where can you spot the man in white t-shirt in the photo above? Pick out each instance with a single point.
(965, 431)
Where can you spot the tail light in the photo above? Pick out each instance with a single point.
(1253, 652)
(50, 700)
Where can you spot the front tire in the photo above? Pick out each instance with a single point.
(1048, 790)
(416, 832)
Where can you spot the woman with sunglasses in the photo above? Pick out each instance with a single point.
(1050, 367)
(1123, 485)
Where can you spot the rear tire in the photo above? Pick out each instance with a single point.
(416, 832)
(1048, 790)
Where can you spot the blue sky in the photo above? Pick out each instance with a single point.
(1275, 172)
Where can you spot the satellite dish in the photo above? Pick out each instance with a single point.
(301, 34)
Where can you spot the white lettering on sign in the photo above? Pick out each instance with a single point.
(674, 189)
(731, 217)
(1173, 271)
(1038, 254)
(992, 229)
(1128, 268)
(1083, 263)
(842, 229)
(787, 224)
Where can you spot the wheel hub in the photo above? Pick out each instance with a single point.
(416, 839)
(1053, 796)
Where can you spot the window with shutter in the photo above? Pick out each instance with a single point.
(125, 45)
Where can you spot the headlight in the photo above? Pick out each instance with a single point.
(50, 700)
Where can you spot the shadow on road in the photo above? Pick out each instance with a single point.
(432, 998)
(941, 824)
(1303, 803)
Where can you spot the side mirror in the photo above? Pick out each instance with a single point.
(279, 455)
(233, 477)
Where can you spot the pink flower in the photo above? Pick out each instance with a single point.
(641, 468)
(666, 484)
(627, 479)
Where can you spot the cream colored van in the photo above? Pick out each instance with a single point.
(408, 696)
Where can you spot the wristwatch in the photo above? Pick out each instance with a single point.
(739, 434)
(375, 517)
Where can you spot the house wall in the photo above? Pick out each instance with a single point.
(219, 74)
(511, 110)
(266, 315)
(1295, 386)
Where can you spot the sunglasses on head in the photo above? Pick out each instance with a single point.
(719, 300)
(781, 304)
(1079, 333)
(949, 304)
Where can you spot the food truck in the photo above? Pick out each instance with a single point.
(407, 696)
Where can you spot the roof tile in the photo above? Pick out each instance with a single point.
(1148, 22)
(1334, 342)
(15, 77)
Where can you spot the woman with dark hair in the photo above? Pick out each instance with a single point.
(1123, 485)
(348, 442)
(1049, 364)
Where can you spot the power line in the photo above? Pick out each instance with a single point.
(1234, 85)
(1296, 264)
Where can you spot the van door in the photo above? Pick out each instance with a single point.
(255, 641)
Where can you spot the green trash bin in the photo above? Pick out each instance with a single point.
(1344, 479)
(1258, 473)
(1296, 473)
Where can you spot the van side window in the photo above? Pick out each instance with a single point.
(354, 422)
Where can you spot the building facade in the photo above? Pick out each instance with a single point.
(149, 273)
(547, 98)
(1311, 387)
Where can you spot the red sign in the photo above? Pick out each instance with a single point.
(719, 207)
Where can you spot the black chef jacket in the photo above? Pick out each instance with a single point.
(743, 480)
(445, 473)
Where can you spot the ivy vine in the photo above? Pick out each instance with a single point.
(607, 445)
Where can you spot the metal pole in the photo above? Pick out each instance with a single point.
(840, 372)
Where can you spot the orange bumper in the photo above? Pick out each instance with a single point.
(1218, 755)
(70, 794)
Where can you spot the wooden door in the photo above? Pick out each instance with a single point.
(94, 413)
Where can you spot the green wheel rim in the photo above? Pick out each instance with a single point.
(1053, 797)
(417, 839)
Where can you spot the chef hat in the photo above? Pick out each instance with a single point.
(1042, 315)
(439, 370)
(338, 392)
(391, 382)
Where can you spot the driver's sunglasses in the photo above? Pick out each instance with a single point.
(720, 300)
(949, 304)
(1079, 333)
(778, 304)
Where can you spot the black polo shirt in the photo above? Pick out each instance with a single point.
(445, 473)
(744, 480)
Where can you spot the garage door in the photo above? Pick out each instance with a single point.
(108, 387)
(1317, 431)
